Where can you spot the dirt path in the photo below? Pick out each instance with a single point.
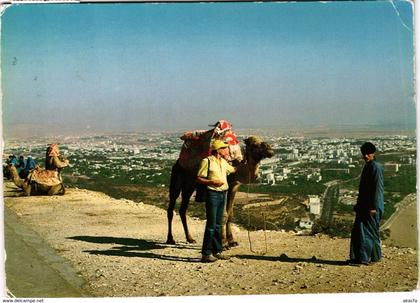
(117, 246)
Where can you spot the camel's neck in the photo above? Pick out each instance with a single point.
(247, 172)
(15, 178)
(14, 175)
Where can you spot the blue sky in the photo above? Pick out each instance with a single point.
(135, 67)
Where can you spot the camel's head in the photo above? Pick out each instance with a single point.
(258, 149)
(11, 168)
(10, 171)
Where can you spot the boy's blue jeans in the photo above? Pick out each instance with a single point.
(212, 242)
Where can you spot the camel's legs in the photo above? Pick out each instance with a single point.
(174, 192)
(182, 182)
(27, 188)
(55, 190)
(227, 236)
(187, 192)
(170, 214)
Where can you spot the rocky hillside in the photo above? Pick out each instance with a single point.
(118, 247)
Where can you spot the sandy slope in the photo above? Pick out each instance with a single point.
(403, 224)
(118, 248)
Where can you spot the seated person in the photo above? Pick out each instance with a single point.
(30, 165)
(21, 167)
(53, 159)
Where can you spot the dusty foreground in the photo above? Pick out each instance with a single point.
(118, 247)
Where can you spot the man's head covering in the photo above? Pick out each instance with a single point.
(53, 150)
(367, 148)
(218, 144)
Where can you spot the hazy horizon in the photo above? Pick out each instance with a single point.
(315, 132)
(76, 68)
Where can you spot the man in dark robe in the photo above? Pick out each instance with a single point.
(365, 245)
(21, 167)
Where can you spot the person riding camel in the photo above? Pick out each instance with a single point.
(53, 159)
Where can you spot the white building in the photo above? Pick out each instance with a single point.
(271, 179)
(136, 150)
(306, 223)
(392, 167)
(315, 205)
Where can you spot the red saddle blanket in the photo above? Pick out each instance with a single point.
(195, 148)
(197, 145)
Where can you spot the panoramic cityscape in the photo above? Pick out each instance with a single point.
(297, 177)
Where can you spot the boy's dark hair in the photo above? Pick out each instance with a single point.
(367, 148)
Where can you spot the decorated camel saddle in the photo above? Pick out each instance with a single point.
(197, 145)
(44, 177)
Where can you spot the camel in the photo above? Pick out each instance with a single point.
(183, 183)
(38, 182)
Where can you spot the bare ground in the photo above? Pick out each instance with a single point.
(118, 247)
